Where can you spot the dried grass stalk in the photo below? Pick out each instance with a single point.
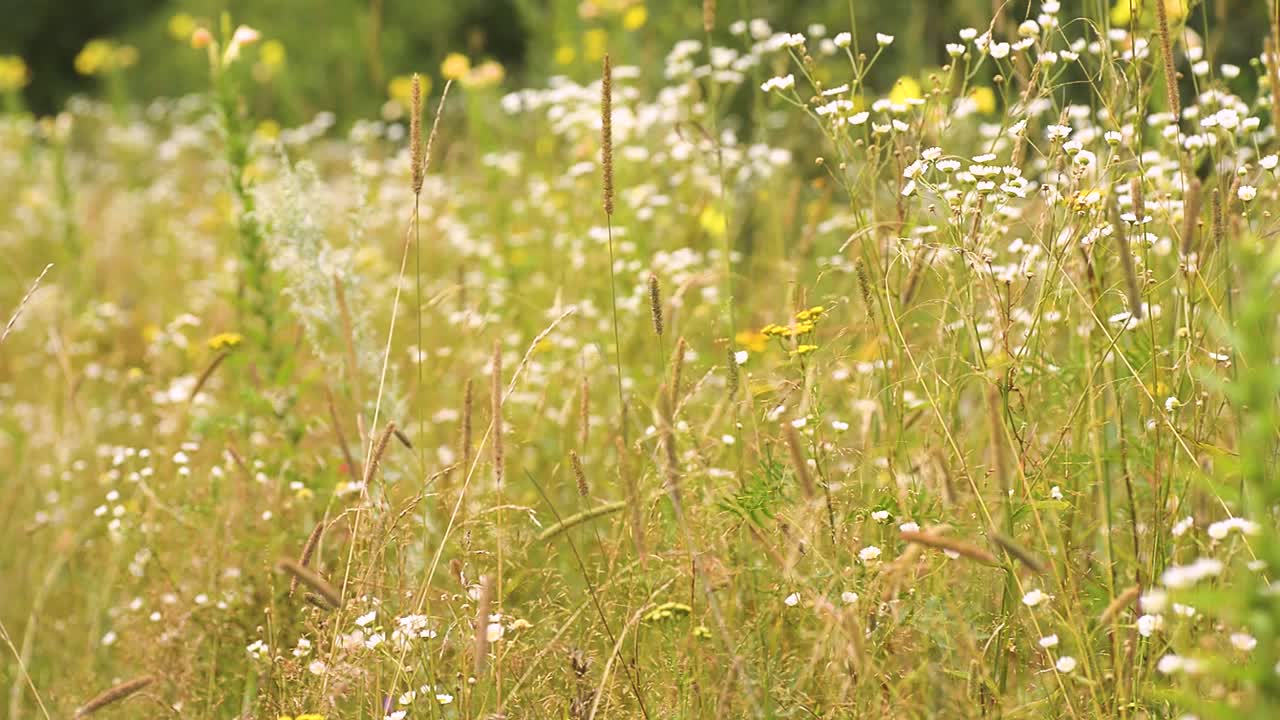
(313, 580)
(308, 550)
(942, 542)
(115, 694)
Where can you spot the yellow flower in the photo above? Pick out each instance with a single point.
(635, 18)
(225, 341)
(984, 99)
(13, 73)
(487, 74)
(1120, 12)
(455, 66)
(181, 26)
(93, 57)
(268, 129)
(99, 56)
(565, 54)
(752, 340)
(594, 44)
(272, 54)
(712, 221)
(907, 88)
(812, 313)
(803, 350)
(666, 611)
(124, 56)
(400, 89)
(702, 632)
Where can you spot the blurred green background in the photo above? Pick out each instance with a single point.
(343, 55)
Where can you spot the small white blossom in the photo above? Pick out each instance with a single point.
(1149, 624)
(1034, 598)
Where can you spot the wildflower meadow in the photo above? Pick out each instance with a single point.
(703, 367)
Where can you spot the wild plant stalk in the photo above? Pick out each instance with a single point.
(22, 304)
(382, 378)
(606, 165)
(308, 549)
(591, 586)
(16, 690)
(313, 580)
(256, 291)
(115, 694)
(417, 170)
(499, 480)
(584, 413)
(1166, 56)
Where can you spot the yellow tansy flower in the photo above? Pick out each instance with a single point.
(400, 89)
(272, 53)
(752, 340)
(455, 66)
(13, 73)
(1121, 15)
(181, 26)
(594, 44)
(487, 74)
(565, 54)
(712, 221)
(635, 18)
(984, 99)
(268, 129)
(906, 88)
(225, 341)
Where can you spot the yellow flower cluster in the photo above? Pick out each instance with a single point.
(1121, 12)
(667, 611)
(805, 322)
(457, 66)
(103, 56)
(225, 341)
(13, 73)
(304, 716)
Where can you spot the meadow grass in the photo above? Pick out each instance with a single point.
(759, 392)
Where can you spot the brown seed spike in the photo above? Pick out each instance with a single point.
(496, 406)
(606, 133)
(379, 449)
(799, 460)
(731, 366)
(584, 414)
(1190, 217)
(482, 624)
(1166, 53)
(467, 400)
(579, 474)
(312, 579)
(708, 15)
(308, 549)
(655, 303)
(114, 695)
(417, 158)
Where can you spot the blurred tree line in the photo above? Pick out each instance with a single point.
(343, 55)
